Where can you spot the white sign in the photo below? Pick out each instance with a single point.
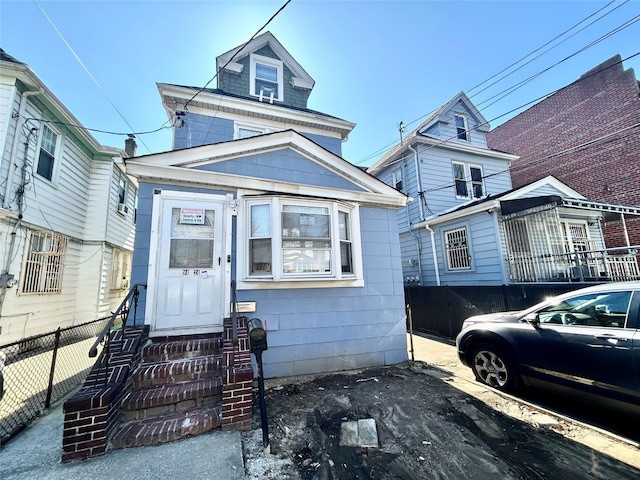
(191, 216)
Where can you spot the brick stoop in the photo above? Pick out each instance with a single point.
(176, 392)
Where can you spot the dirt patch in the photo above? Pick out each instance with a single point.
(426, 429)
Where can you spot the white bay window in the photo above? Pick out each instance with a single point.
(300, 240)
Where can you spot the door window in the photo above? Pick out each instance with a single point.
(191, 238)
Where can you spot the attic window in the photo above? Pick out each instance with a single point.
(266, 77)
(462, 129)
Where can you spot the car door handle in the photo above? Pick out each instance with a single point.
(611, 338)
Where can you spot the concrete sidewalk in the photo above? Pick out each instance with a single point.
(35, 454)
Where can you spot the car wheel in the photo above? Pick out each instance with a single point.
(493, 367)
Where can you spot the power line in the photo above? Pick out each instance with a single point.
(515, 87)
(236, 54)
(88, 72)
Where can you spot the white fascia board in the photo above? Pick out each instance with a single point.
(23, 73)
(565, 189)
(259, 110)
(485, 152)
(177, 175)
(481, 207)
(298, 82)
(219, 152)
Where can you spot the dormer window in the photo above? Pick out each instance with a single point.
(266, 78)
(462, 129)
(396, 180)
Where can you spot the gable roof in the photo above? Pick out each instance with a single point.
(518, 199)
(179, 167)
(228, 60)
(418, 134)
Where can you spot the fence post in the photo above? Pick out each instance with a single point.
(56, 344)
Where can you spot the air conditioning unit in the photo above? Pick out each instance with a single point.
(123, 209)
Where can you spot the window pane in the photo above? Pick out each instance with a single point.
(461, 189)
(260, 221)
(246, 133)
(265, 72)
(191, 238)
(49, 139)
(191, 253)
(458, 171)
(305, 222)
(345, 257)
(260, 253)
(457, 249)
(268, 86)
(306, 260)
(45, 165)
(343, 225)
(476, 174)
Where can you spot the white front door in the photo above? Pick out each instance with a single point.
(190, 273)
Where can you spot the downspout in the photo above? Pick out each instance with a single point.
(433, 252)
(14, 149)
(419, 186)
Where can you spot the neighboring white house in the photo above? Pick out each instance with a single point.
(468, 227)
(67, 213)
(256, 192)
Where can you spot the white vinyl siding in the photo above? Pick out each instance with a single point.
(43, 263)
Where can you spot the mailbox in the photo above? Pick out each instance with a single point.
(257, 336)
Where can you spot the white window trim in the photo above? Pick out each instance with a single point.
(272, 62)
(394, 179)
(467, 178)
(120, 269)
(466, 127)
(56, 157)
(276, 279)
(447, 230)
(237, 126)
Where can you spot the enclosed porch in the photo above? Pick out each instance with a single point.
(561, 240)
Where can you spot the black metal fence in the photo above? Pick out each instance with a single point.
(441, 310)
(42, 369)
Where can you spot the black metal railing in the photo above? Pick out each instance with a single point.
(111, 331)
(41, 370)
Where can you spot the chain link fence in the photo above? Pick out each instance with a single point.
(40, 370)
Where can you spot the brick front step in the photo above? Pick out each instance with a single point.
(181, 349)
(167, 399)
(177, 371)
(168, 428)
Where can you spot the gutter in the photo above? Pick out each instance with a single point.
(433, 252)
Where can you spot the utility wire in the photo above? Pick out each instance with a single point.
(236, 54)
(88, 73)
(515, 87)
(541, 47)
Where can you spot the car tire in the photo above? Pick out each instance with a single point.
(493, 367)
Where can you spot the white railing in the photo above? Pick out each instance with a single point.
(602, 265)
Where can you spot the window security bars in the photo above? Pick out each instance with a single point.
(458, 257)
(44, 263)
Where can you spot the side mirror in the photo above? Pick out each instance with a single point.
(533, 319)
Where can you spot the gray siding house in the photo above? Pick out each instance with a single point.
(467, 226)
(255, 193)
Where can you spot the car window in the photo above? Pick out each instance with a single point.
(603, 309)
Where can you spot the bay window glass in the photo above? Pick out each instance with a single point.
(301, 240)
(260, 239)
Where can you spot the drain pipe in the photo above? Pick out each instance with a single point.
(433, 252)
(419, 186)
(14, 149)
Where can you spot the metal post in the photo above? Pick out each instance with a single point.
(56, 344)
(410, 330)
(263, 403)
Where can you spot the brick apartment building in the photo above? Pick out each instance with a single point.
(587, 135)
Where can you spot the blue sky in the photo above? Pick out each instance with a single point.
(375, 63)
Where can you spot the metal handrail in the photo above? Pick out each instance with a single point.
(122, 310)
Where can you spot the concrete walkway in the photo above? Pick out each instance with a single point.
(35, 454)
